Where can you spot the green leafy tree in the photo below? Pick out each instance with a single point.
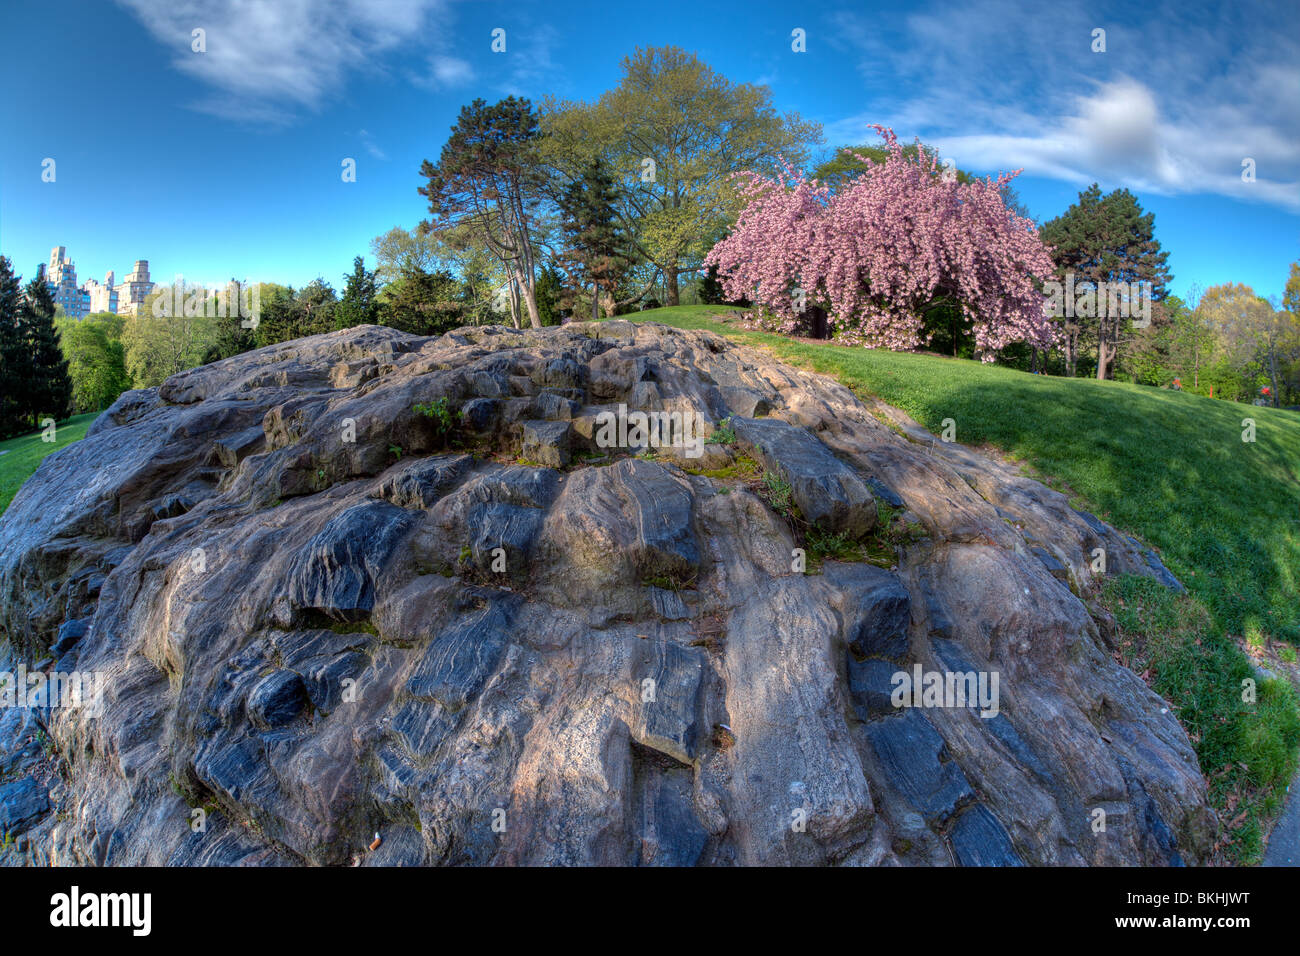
(847, 163)
(1191, 342)
(1105, 239)
(162, 339)
(402, 250)
(1291, 305)
(1154, 356)
(1291, 294)
(1279, 343)
(96, 360)
(315, 305)
(672, 133)
(1243, 325)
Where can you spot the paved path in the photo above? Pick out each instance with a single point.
(1284, 845)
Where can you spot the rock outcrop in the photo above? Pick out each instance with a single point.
(320, 614)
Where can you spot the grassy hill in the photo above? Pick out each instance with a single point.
(1170, 468)
(19, 457)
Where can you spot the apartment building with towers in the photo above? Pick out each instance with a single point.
(61, 276)
(103, 298)
(79, 301)
(135, 289)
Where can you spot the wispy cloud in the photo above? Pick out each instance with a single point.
(371, 146)
(1176, 103)
(267, 59)
(528, 64)
(444, 72)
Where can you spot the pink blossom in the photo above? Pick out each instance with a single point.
(887, 244)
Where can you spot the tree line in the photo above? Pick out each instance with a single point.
(679, 186)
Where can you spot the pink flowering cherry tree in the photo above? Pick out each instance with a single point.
(883, 248)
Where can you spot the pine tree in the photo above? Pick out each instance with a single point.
(1105, 239)
(12, 354)
(358, 305)
(711, 287)
(549, 289)
(230, 336)
(488, 179)
(47, 387)
(423, 303)
(595, 254)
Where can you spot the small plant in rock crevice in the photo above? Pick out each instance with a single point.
(724, 434)
(439, 412)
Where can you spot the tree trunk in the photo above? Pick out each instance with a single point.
(1105, 348)
(529, 291)
(514, 306)
(1272, 373)
(595, 303)
(530, 299)
(639, 295)
(670, 285)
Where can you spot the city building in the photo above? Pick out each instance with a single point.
(103, 298)
(61, 276)
(132, 293)
(79, 301)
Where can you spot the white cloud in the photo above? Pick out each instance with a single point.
(445, 72)
(265, 59)
(1175, 104)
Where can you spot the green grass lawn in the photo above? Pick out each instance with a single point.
(1168, 467)
(22, 455)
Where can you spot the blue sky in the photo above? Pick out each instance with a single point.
(227, 163)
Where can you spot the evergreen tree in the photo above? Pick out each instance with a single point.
(711, 287)
(47, 387)
(276, 323)
(12, 353)
(488, 183)
(595, 255)
(229, 334)
(358, 305)
(1105, 239)
(314, 308)
(549, 289)
(287, 314)
(423, 303)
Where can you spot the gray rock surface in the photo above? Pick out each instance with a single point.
(525, 649)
